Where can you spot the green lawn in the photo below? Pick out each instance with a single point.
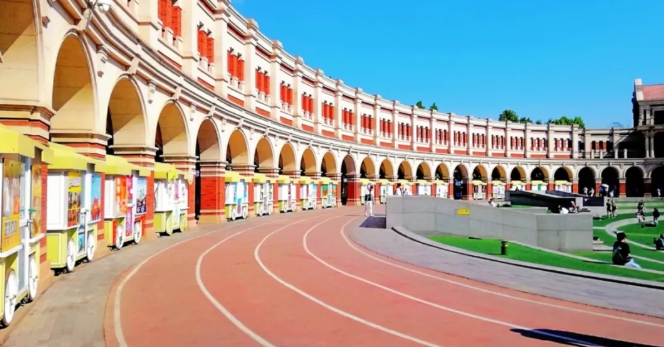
(606, 221)
(531, 255)
(606, 256)
(636, 250)
(631, 206)
(642, 235)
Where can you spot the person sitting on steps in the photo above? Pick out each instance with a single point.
(659, 242)
(621, 252)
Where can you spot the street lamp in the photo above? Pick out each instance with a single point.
(102, 5)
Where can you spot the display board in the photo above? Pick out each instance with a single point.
(11, 203)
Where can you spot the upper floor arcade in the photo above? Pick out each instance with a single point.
(201, 52)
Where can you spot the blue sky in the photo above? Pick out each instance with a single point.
(543, 59)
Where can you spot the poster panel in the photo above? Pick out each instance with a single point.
(11, 204)
(121, 195)
(95, 198)
(36, 211)
(141, 195)
(73, 198)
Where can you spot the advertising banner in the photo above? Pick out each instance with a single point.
(11, 204)
(73, 198)
(141, 195)
(35, 212)
(95, 198)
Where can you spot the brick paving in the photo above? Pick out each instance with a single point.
(575, 289)
(71, 312)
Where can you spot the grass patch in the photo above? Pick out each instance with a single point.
(606, 256)
(606, 221)
(658, 205)
(531, 255)
(642, 235)
(636, 250)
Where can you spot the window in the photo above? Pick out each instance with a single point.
(262, 81)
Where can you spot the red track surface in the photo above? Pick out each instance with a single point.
(360, 301)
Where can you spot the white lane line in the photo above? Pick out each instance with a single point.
(598, 314)
(327, 306)
(432, 304)
(117, 321)
(224, 311)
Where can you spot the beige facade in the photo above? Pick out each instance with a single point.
(204, 84)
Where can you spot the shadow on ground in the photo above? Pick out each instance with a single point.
(375, 222)
(567, 338)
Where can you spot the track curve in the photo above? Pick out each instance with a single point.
(298, 280)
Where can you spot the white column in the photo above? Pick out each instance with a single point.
(647, 146)
(249, 55)
(652, 146)
(221, 75)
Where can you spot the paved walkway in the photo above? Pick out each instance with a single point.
(71, 312)
(575, 289)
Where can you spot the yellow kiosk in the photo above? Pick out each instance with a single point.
(21, 162)
(165, 176)
(423, 187)
(335, 186)
(325, 192)
(307, 193)
(286, 194)
(539, 186)
(407, 187)
(498, 189)
(237, 202)
(563, 186)
(442, 189)
(386, 189)
(119, 201)
(73, 208)
(479, 190)
(263, 195)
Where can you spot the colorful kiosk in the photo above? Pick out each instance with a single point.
(263, 195)
(539, 186)
(308, 193)
(335, 186)
(517, 185)
(237, 200)
(165, 176)
(407, 187)
(423, 187)
(121, 197)
(286, 194)
(326, 195)
(479, 190)
(21, 161)
(498, 190)
(73, 207)
(442, 189)
(386, 189)
(563, 186)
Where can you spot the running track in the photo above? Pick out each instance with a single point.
(298, 280)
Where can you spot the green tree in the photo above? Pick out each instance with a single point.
(564, 120)
(433, 107)
(525, 120)
(538, 122)
(420, 105)
(508, 116)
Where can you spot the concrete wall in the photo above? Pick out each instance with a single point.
(430, 216)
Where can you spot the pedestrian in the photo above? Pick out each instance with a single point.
(368, 201)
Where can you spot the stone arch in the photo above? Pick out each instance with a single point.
(328, 166)
(237, 150)
(634, 179)
(498, 174)
(405, 171)
(287, 162)
(539, 173)
(586, 179)
(442, 172)
(386, 169)
(171, 137)
(423, 171)
(518, 174)
(367, 166)
(348, 166)
(657, 181)
(480, 173)
(263, 155)
(73, 98)
(208, 144)
(611, 177)
(563, 174)
(19, 58)
(308, 163)
(125, 121)
(460, 175)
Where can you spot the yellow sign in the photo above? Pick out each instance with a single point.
(463, 212)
